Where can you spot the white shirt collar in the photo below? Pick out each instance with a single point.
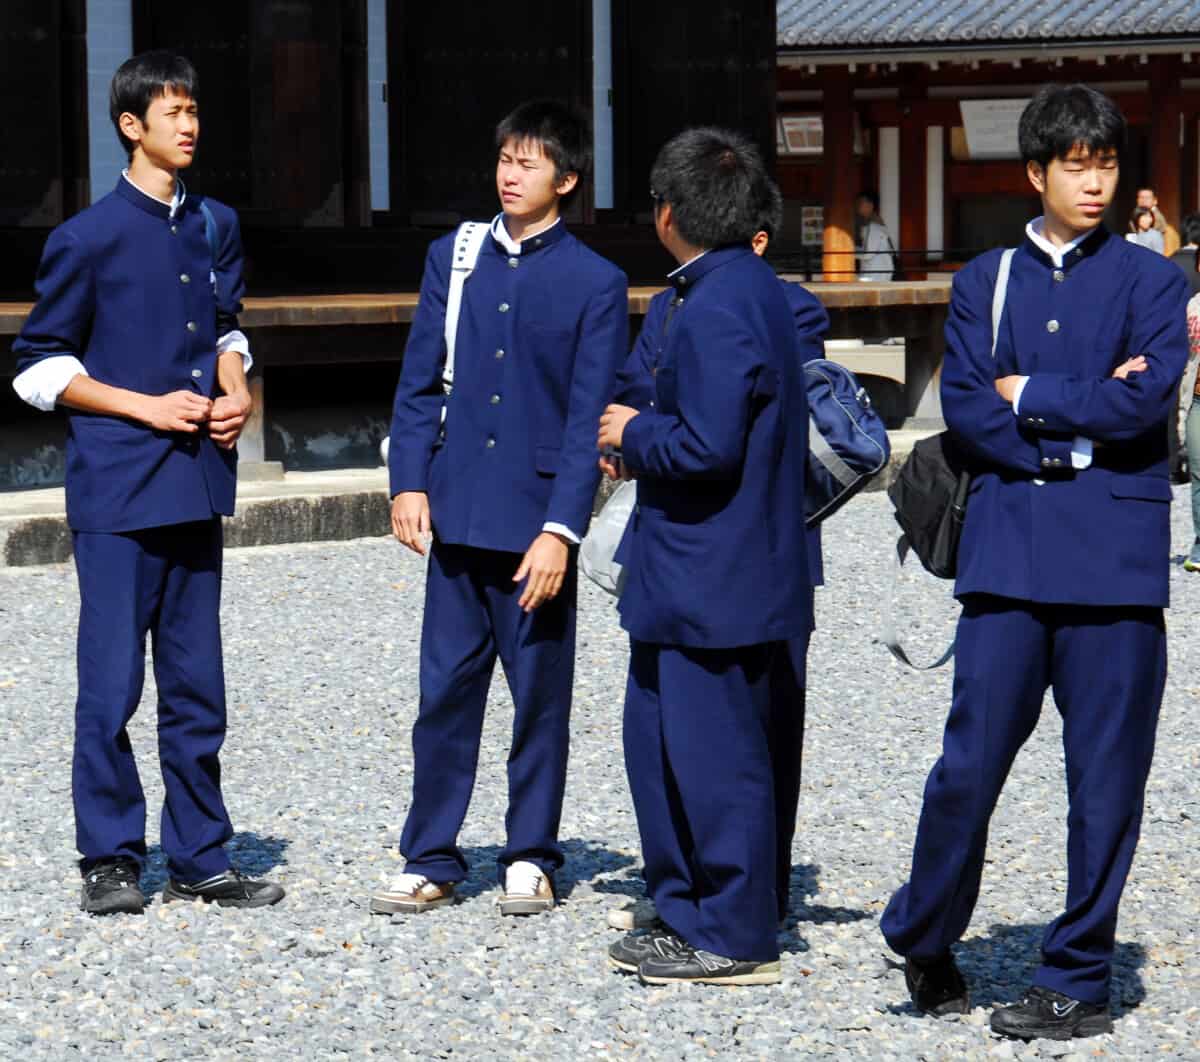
(1056, 254)
(174, 204)
(694, 258)
(501, 236)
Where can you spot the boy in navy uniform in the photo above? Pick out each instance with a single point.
(506, 484)
(1062, 568)
(718, 597)
(635, 387)
(135, 333)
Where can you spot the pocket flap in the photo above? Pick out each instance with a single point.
(545, 460)
(1148, 488)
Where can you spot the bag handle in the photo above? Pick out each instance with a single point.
(468, 241)
(889, 635)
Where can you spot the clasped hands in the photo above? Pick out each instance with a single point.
(186, 411)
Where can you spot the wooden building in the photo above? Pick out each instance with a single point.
(347, 132)
(917, 99)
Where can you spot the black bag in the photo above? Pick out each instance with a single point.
(930, 497)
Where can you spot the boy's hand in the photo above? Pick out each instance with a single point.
(410, 519)
(1135, 364)
(182, 411)
(228, 417)
(545, 564)
(614, 468)
(612, 426)
(1007, 387)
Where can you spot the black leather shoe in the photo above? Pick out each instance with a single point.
(628, 952)
(111, 887)
(936, 986)
(1046, 1014)
(230, 889)
(703, 967)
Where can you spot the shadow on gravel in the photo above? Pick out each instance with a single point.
(248, 852)
(583, 861)
(1000, 966)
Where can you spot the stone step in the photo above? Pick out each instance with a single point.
(301, 507)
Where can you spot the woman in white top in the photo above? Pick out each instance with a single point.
(1142, 230)
(876, 254)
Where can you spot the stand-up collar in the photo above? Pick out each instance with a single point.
(130, 192)
(686, 275)
(1066, 256)
(530, 243)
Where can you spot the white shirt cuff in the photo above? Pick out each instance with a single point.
(561, 529)
(236, 340)
(1081, 453)
(42, 383)
(1020, 390)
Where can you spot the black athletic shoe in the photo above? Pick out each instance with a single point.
(230, 889)
(628, 952)
(703, 967)
(111, 887)
(1046, 1014)
(936, 986)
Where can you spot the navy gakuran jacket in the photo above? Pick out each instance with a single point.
(540, 336)
(128, 289)
(716, 554)
(1043, 524)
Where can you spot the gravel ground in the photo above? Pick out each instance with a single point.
(321, 644)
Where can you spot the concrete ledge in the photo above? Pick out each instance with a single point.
(304, 507)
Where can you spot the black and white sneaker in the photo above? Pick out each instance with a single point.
(937, 986)
(1046, 1014)
(703, 967)
(230, 889)
(628, 952)
(111, 887)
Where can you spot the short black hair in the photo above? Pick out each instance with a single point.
(563, 134)
(770, 211)
(714, 181)
(1062, 117)
(141, 80)
(1191, 228)
(872, 197)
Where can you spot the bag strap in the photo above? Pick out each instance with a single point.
(210, 234)
(468, 241)
(890, 636)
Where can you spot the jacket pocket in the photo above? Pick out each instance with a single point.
(1146, 488)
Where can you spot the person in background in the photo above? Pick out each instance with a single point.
(876, 255)
(1189, 413)
(1146, 198)
(1143, 232)
(1185, 257)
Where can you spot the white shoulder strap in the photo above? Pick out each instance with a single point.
(1000, 293)
(467, 243)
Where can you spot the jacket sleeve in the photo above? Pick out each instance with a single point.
(1108, 409)
(417, 409)
(812, 321)
(718, 370)
(635, 379)
(66, 297)
(603, 339)
(229, 268)
(979, 418)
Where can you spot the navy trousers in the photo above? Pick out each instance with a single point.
(165, 581)
(471, 617)
(1107, 667)
(712, 749)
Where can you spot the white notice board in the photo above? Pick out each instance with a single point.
(991, 127)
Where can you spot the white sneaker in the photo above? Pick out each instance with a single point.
(636, 914)
(526, 890)
(411, 894)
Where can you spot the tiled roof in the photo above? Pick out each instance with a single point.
(900, 23)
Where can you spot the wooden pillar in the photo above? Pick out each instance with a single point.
(252, 447)
(837, 118)
(76, 155)
(1166, 162)
(356, 123)
(914, 234)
